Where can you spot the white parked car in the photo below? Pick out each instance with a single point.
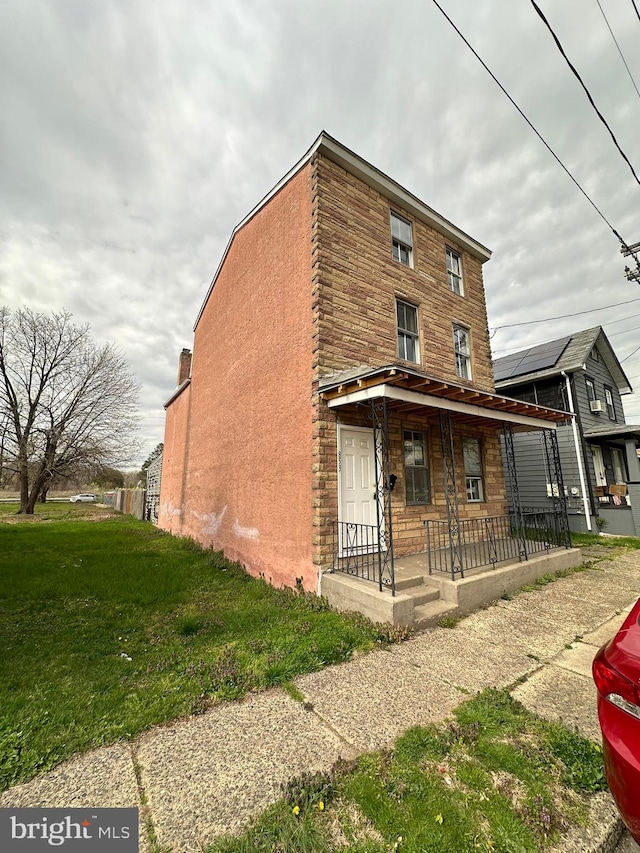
(84, 498)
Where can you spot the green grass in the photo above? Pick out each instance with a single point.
(585, 540)
(494, 778)
(108, 626)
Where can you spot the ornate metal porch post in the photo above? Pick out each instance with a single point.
(451, 494)
(507, 432)
(380, 421)
(552, 452)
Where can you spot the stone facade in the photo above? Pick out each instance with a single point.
(356, 285)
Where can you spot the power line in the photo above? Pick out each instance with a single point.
(564, 316)
(586, 91)
(537, 133)
(627, 357)
(618, 46)
(608, 323)
(636, 8)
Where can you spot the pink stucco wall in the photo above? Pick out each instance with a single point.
(247, 483)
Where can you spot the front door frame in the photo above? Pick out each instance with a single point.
(375, 447)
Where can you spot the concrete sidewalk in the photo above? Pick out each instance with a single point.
(206, 775)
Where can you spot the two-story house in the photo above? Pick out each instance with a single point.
(598, 449)
(339, 410)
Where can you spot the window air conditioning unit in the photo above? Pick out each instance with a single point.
(596, 406)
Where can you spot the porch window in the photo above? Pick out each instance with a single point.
(416, 467)
(473, 469)
(408, 340)
(463, 351)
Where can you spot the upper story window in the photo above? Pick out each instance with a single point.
(591, 389)
(401, 239)
(608, 400)
(416, 467)
(594, 354)
(454, 272)
(462, 350)
(473, 469)
(408, 337)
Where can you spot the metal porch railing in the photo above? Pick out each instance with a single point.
(357, 552)
(487, 541)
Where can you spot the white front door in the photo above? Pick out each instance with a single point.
(356, 472)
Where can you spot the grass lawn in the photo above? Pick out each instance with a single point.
(494, 778)
(584, 540)
(108, 626)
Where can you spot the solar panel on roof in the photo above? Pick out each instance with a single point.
(532, 360)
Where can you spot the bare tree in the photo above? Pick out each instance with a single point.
(68, 401)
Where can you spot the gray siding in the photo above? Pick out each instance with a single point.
(597, 371)
(531, 466)
(533, 474)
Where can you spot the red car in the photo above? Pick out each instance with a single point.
(616, 672)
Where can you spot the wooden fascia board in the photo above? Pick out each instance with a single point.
(428, 401)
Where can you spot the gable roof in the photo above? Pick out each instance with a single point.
(373, 177)
(566, 355)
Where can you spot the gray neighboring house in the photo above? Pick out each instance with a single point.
(598, 451)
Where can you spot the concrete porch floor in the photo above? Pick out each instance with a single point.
(422, 600)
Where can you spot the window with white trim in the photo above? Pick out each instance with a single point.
(608, 399)
(473, 469)
(591, 389)
(454, 272)
(401, 239)
(416, 467)
(462, 348)
(408, 337)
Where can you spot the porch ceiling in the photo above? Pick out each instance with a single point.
(409, 390)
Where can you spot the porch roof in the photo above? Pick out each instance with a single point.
(617, 431)
(410, 390)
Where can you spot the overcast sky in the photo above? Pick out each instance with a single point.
(134, 136)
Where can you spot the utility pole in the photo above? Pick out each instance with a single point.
(632, 275)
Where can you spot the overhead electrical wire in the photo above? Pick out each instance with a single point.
(564, 316)
(533, 128)
(500, 350)
(586, 91)
(636, 8)
(627, 357)
(615, 40)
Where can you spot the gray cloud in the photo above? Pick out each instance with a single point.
(135, 137)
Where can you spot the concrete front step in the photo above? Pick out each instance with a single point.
(422, 594)
(404, 584)
(428, 615)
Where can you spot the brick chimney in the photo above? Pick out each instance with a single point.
(184, 366)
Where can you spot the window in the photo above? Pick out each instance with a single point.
(408, 341)
(594, 354)
(416, 467)
(462, 351)
(473, 469)
(454, 272)
(591, 389)
(608, 399)
(401, 239)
